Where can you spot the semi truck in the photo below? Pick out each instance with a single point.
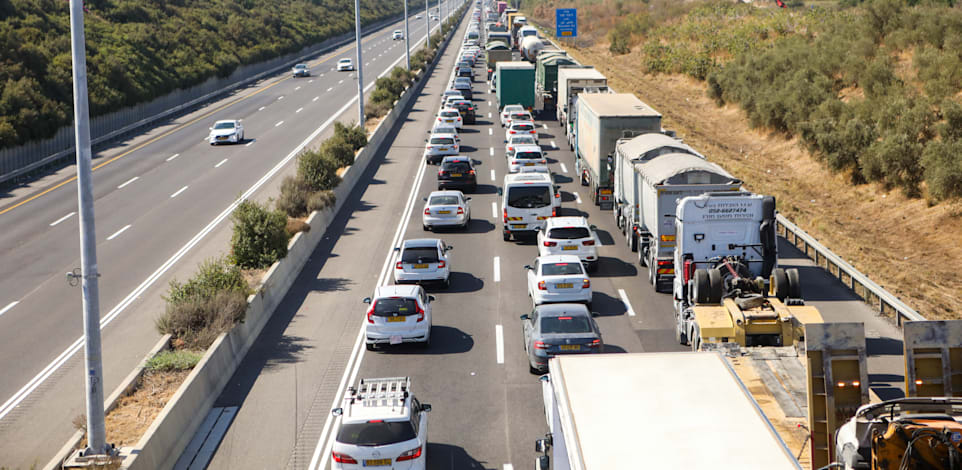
(573, 79)
(515, 84)
(730, 293)
(656, 411)
(496, 50)
(603, 118)
(652, 172)
(546, 79)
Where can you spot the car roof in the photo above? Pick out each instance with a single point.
(232, 121)
(568, 221)
(512, 106)
(528, 148)
(554, 310)
(527, 178)
(443, 135)
(445, 193)
(449, 109)
(518, 123)
(397, 290)
(301, 65)
(346, 59)
(420, 242)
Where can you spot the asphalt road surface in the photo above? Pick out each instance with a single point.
(161, 203)
(487, 406)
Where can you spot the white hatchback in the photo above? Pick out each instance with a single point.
(558, 278)
(398, 314)
(570, 236)
(526, 155)
(507, 110)
(227, 131)
(450, 116)
(521, 128)
(446, 209)
(517, 139)
(439, 146)
(423, 260)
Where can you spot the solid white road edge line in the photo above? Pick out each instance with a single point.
(9, 306)
(118, 232)
(499, 342)
(178, 192)
(135, 178)
(55, 222)
(624, 300)
(497, 269)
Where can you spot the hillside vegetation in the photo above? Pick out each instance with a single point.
(141, 49)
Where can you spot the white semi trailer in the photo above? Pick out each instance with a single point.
(573, 79)
(654, 411)
(652, 173)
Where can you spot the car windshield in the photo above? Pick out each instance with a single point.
(376, 433)
(224, 125)
(461, 166)
(427, 254)
(443, 201)
(395, 305)
(529, 197)
(528, 156)
(566, 324)
(568, 233)
(345, 61)
(300, 66)
(561, 269)
(442, 140)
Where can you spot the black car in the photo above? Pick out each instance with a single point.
(466, 109)
(465, 89)
(457, 173)
(466, 71)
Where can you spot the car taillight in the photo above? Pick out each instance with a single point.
(343, 458)
(594, 343)
(540, 345)
(398, 265)
(470, 109)
(542, 285)
(689, 270)
(370, 314)
(459, 119)
(420, 313)
(585, 283)
(510, 149)
(665, 262)
(439, 119)
(505, 215)
(441, 264)
(427, 211)
(554, 211)
(470, 172)
(547, 243)
(588, 243)
(440, 172)
(410, 455)
(512, 132)
(460, 210)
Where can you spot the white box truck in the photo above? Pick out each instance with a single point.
(654, 411)
(652, 173)
(572, 79)
(603, 119)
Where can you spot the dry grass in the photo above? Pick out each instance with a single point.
(296, 225)
(253, 276)
(908, 247)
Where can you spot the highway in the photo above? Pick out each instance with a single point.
(487, 406)
(162, 198)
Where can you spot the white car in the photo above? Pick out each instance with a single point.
(450, 116)
(439, 146)
(517, 116)
(398, 314)
(542, 169)
(345, 65)
(445, 128)
(301, 70)
(516, 140)
(570, 236)
(558, 278)
(423, 260)
(397, 34)
(522, 128)
(417, 17)
(450, 92)
(382, 425)
(226, 131)
(448, 100)
(526, 155)
(508, 109)
(446, 209)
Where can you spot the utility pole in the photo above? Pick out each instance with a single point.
(407, 40)
(427, 25)
(93, 372)
(360, 66)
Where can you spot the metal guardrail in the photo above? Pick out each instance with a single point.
(872, 293)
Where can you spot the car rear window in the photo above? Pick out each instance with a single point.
(449, 113)
(528, 156)
(522, 127)
(395, 305)
(522, 139)
(427, 254)
(443, 200)
(519, 115)
(568, 233)
(376, 434)
(442, 141)
(565, 324)
(456, 166)
(560, 269)
(529, 197)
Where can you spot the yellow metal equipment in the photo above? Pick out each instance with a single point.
(933, 358)
(755, 320)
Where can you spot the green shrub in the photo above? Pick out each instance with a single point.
(173, 360)
(213, 275)
(353, 134)
(294, 195)
(320, 200)
(259, 238)
(618, 43)
(338, 149)
(943, 168)
(318, 170)
(376, 109)
(198, 322)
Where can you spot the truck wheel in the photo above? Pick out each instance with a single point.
(680, 335)
(695, 339)
(778, 284)
(652, 270)
(632, 241)
(794, 284)
(701, 287)
(715, 286)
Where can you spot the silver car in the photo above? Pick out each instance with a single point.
(398, 314)
(301, 70)
(423, 260)
(226, 131)
(446, 209)
(555, 329)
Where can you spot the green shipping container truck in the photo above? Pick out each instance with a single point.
(515, 84)
(546, 79)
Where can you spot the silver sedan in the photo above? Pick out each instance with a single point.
(555, 329)
(446, 209)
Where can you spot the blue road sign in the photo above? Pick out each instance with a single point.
(566, 22)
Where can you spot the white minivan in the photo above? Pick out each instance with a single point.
(527, 201)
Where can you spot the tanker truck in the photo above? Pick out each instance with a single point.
(530, 47)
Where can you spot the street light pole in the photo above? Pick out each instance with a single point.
(427, 25)
(360, 65)
(407, 40)
(93, 372)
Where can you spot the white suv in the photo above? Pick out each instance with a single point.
(570, 236)
(526, 155)
(398, 314)
(439, 146)
(423, 260)
(382, 425)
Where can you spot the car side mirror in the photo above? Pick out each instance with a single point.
(595, 314)
(337, 411)
(476, 162)
(525, 317)
(593, 228)
(448, 248)
(425, 199)
(467, 199)
(210, 128)
(432, 298)
(557, 187)
(397, 248)
(426, 140)
(425, 407)
(500, 191)
(366, 300)
(527, 266)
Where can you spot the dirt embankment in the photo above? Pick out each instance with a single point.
(906, 246)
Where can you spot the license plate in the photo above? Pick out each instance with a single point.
(442, 149)
(395, 339)
(444, 212)
(570, 347)
(220, 137)
(529, 164)
(397, 319)
(519, 225)
(449, 120)
(421, 266)
(564, 285)
(569, 247)
(455, 175)
(377, 462)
